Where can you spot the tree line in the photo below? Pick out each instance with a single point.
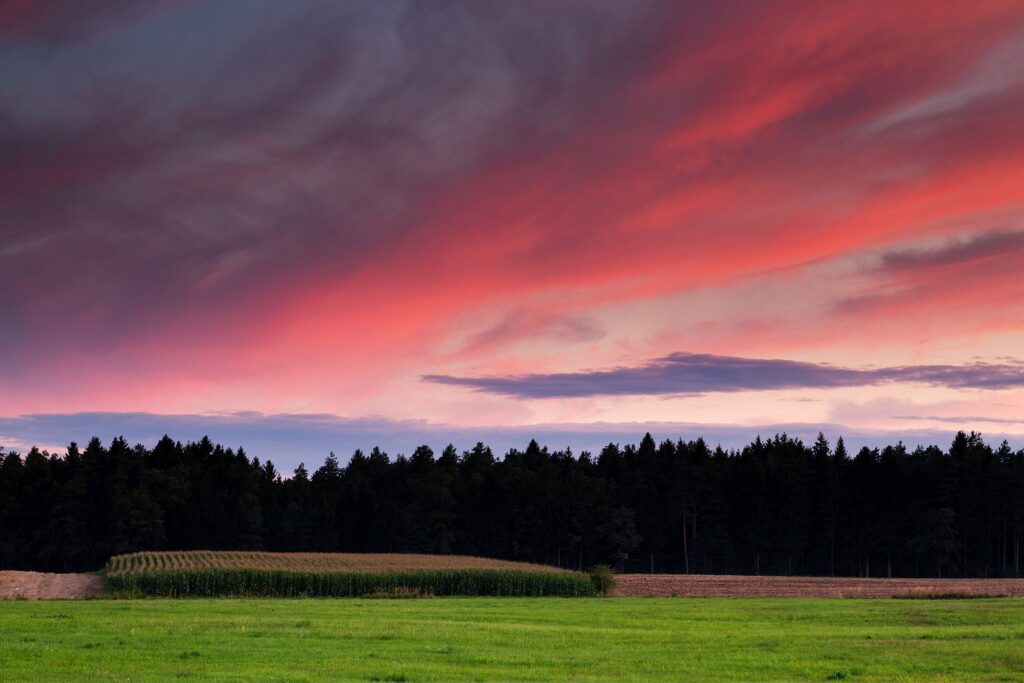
(776, 506)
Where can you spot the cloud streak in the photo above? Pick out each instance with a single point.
(691, 373)
(995, 245)
(961, 419)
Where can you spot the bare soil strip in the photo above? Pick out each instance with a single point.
(39, 586)
(721, 586)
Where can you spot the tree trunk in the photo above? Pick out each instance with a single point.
(832, 541)
(686, 549)
(1016, 554)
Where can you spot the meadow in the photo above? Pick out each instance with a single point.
(513, 639)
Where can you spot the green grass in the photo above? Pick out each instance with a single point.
(513, 639)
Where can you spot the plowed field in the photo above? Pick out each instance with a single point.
(40, 586)
(695, 585)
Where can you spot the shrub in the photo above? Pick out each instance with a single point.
(603, 579)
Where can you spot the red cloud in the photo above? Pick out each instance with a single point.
(325, 210)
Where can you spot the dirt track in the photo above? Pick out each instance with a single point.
(668, 585)
(38, 586)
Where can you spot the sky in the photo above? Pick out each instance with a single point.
(311, 226)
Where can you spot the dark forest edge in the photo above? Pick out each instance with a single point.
(777, 506)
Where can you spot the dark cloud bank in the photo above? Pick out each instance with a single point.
(695, 373)
(183, 159)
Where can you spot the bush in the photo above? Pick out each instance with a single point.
(175, 583)
(603, 579)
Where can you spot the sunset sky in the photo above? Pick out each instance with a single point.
(312, 226)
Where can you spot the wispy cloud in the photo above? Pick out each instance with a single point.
(961, 419)
(995, 244)
(975, 273)
(691, 373)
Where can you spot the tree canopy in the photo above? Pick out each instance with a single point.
(776, 506)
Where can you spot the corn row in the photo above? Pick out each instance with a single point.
(176, 583)
(308, 562)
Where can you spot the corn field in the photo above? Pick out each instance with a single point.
(308, 562)
(257, 574)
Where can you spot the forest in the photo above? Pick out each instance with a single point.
(776, 506)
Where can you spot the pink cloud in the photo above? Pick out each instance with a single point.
(327, 205)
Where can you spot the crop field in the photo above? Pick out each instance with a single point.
(513, 639)
(731, 586)
(269, 575)
(307, 562)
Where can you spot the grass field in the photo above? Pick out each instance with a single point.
(513, 639)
